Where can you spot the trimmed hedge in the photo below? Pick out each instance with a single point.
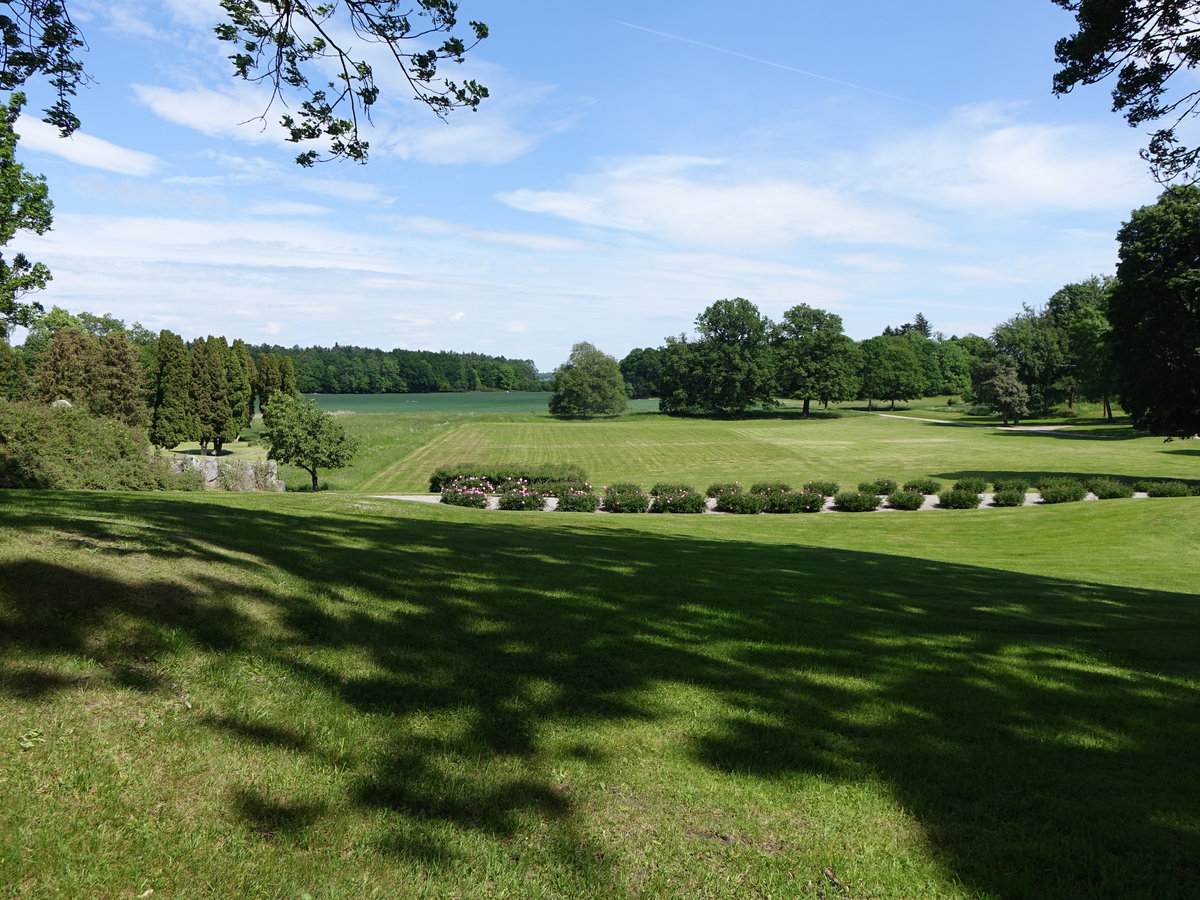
(909, 500)
(721, 488)
(923, 485)
(1009, 497)
(444, 476)
(770, 487)
(861, 501)
(576, 500)
(625, 497)
(1010, 484)
(825, 488)
(974, 485)
(668, 487)
(1168, 489)
(788, 502)
(741, 504)
(957, 498)
(1110, 489)
(878, 486)
(1063, 490)
(681, 499)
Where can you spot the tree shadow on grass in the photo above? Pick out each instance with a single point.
(1043, 732)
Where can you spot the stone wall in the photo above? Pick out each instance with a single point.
(230, 474)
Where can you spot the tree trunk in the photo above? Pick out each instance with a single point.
(313, 473)
(893, 403)
(806, 399)
(217, 445)
(1108, 413)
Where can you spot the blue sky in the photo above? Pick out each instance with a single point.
(635, 163)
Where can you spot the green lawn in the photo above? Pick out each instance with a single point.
(336, 696)
(648, 447)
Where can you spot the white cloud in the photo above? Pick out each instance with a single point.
(288, 208)
(236, 111)
(84, 149)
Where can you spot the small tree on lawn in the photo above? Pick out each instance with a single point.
(305, 436)
(998, 385)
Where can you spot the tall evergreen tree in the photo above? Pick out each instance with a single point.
(173, 421)
(15, 383)
(238, 369)
(66, 366)
(116, 384)
(210, 392)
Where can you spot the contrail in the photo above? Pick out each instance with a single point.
(767, 62)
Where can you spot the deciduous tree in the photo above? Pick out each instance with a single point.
(814, 359)
(890, 370)
(24, 207)
(997, 384)
(589, 383)
(306, 436)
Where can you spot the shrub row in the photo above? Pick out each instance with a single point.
(541, 476)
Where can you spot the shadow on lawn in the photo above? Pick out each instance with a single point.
(1043, 732)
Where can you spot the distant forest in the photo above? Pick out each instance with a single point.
(362, 370)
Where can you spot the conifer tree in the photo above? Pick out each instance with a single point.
(173, 421)
(239, 346)
(210, 391)
(241, 388)
(66, 367)
(14, 377)
(116, 384)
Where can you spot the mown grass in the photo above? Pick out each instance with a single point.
(779, 447)
(335, 696)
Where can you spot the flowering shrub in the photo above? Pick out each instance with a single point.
(741, 504)
(770, 487)
(472, 492)
(813, 501)
(909, 500)
(957, 498)
(625, 497)
(521, 495)
(1009, 497)
(578, 500)
(1062, 490)
(721, 488)
(668, 487)
(1010, 484)
(878, 486)
(923, 485)
(861, 501)
(825, 488)
(973, 485)
(680, 499)
(1110, 489)
(787, 502)
(444, 476)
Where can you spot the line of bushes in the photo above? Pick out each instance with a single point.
(548, 478)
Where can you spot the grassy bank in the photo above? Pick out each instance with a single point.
(214, 696)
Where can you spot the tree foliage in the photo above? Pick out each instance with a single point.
(890, 370)
(291, 46)
(66, 367)
(301, 434)
(589, 383)
(209, 391)
(1154, 309)
(814, 359)
(642, 370)
(1031, 342)
(173, 421)
(24, 206)
(727, 369)
(116, 385)
(1146, 45)
(997, 384)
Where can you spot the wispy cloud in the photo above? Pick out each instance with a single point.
(84, 149)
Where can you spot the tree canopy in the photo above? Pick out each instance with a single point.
(306, 436)
(1154, 310)
(589, 383)
(288, 45)
(24, 206)
(1146, 45)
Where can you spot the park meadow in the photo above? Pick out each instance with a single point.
(337, 694)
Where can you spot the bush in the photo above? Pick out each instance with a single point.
(1009, 497)
(825, 488)
(577, 500)
(906, 500)
(812, 501)
(520, 496)
(1110, 489)
(721, 488)
(1010, 484)
(789, 502)
(1063, 490)
(862, 501)
(677, 499)
(923, 485)
(667, 487)
(1168, 489)
(770, 487)
(625, 497)
(878, 486)
(444, 476)
(741, 504)
(470, 492)
(973, 485)
(957, 498)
